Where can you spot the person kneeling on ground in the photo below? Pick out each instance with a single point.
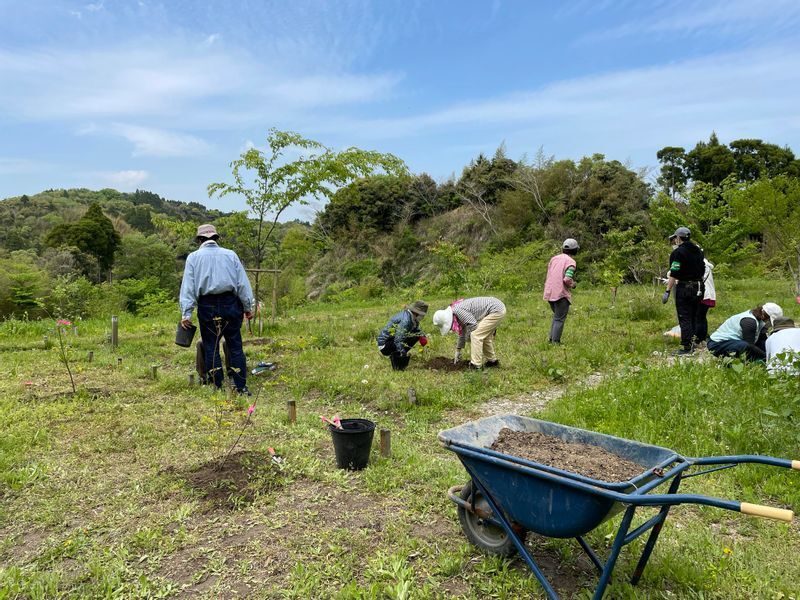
(783, 347)
(401, 333)
(475, 319)
(745, 334)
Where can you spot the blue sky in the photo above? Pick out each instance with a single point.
(163, 95)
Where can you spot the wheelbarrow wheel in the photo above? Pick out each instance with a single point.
(489, 537)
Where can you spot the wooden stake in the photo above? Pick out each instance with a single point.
(114, 331)
(154, 371)
(412, 395)
(119, 361)
(291, 406)
(191, 378)
(274, 310)
(386, 443)
(90, 356)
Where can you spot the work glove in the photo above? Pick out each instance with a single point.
(423, 341)
(665, 297)
(457, 357)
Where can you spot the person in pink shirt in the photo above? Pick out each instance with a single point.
(560, 280)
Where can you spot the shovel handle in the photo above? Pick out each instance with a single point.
(796, 464)
(759, 510)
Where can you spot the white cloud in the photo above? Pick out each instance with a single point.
(667, 103)
(149, 141)
(718, 17)
(125, 180)
(204, 84)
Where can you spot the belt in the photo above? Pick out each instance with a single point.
(214, 296)
(693, 282)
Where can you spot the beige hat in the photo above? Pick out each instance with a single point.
(206, 231)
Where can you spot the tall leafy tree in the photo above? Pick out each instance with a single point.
(270, 182)
(710, 162)
(93, 233)
(673, 170)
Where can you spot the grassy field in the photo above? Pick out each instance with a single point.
(113, 492)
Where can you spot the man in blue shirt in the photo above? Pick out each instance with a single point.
(215, 282)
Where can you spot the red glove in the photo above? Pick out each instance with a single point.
(423, 341)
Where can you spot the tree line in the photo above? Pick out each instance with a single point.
(383, 228)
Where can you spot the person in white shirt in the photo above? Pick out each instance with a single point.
(783, 347)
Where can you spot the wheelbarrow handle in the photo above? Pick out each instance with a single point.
(770, 512)
(796, 464)
(747, 458)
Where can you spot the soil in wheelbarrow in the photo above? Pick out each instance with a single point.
(442, 363)
(584, 459)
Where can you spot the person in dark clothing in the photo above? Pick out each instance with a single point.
(401, 333)
(686, 269)
(745, 334)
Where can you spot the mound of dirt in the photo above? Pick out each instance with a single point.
(442, 363)
(238, 481)
(584, 459)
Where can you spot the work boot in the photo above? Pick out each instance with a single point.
(492, 363)
(244, 391)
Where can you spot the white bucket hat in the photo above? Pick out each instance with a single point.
(773, 310)
(443, 319)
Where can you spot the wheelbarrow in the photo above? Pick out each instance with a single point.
(509, 495)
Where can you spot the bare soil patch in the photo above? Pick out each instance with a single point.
(442, 363)
(236, 482)
(584, 459)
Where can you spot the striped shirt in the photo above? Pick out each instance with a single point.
(472, 310)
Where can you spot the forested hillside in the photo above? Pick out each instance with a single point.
(77, 252)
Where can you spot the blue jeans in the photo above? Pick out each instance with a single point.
(736, 348)
(220, 316)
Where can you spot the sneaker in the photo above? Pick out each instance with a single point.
(472, 367)
(244, 391)
(682, 352)
(492, 363)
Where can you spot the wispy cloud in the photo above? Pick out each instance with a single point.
(169, 83)
(747, 93)
(716, 17)
(125, 180)
(149, 141)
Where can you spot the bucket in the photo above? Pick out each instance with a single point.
(399, 363)
(184, 337)
(352, 443)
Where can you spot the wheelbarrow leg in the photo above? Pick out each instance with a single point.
(651, 540)
(591, 554)
(619, 542)
(519, 543)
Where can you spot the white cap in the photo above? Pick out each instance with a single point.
(773, 310)
(443, 319)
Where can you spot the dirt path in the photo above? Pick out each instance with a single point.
(529, 402)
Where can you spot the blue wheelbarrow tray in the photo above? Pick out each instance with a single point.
(519, 495)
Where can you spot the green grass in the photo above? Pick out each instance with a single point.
(96, 496)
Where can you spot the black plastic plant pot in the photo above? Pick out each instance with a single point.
(352, 443)
(184, 337)
(399, 363)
